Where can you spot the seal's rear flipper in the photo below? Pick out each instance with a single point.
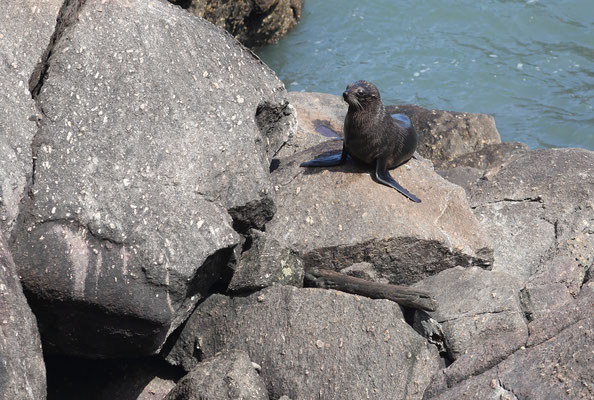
(385, 178)
(328, 160)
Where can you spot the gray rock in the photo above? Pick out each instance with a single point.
(339, 216)
(149, 154)
(22, 370)
(229, 375)
(492, 155)
(554, 363)
(25, 31)
(446, 135)
(307, 341)
(252, 22)
(320, 117)
(466, 177)
(266, 263)
(475, 306)
(538, 208)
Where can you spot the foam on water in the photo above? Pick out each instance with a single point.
(529, 63)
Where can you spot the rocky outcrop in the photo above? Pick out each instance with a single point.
(227, 376)
(552, 362)
(266, 263)
(252, 22)
(339, 216)
(475, 307)
(22, 370)
(144, 169)
(333, 344)
(25, 30)
(539, 211)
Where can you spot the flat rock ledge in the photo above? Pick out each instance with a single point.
(339, 216)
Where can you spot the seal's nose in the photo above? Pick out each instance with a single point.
(345, 94)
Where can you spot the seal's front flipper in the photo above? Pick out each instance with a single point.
(385, 178)
(328, 160)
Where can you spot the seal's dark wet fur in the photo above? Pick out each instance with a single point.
(373, 136)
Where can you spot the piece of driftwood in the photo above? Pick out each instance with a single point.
(403, 295)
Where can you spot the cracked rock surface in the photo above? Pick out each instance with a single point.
(330, 343)
(147, 157)
(475, 306)
(339, 216)
(33, 22)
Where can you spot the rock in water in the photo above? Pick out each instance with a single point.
(151, 151)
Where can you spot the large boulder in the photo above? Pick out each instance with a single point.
(308, 341)
(227, 376)
(252, 22)
(151, 151)
(25, 31)
(539, 211)
(339, 216)
(446, 135)
(475, 306)
(552, 362)
(22, 370)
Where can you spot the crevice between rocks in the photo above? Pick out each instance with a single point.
(537, 199)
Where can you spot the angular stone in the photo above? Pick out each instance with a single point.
(25, 31)
(22, 370)
(320, 117)
(150, 153)
(537, 208)
(330, 343)
(475, 306)
(446, 135)
(466, 177)
(266, 263)
(226, 376)
(492, 155)
(252, 22)
(339, 216)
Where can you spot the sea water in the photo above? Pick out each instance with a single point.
(529, 63)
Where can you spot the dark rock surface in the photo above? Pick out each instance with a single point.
(266, 263)
(144, 166)
(475, 306)
(252, 22)
(339, 216)
(492, 155)
(318, 341)
(22, 370)
(226, 376)
(446, 135)
(146, 378)
(25, 30)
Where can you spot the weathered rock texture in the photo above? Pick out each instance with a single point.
(475, 306)
(266, 263)
(252, 22)
(310, 341)
(22, 371)
(339, 216)
(538, 209)
(151, 150)
(25, 30)
(321, 118)
(446, 135)
(552, 362)
(227, 376)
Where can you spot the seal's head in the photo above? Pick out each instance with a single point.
(361, 94)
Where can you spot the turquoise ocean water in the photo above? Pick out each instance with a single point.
(529, 63)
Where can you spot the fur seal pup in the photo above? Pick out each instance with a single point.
(373, 136)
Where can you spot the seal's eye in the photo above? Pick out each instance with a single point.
(359, 91)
